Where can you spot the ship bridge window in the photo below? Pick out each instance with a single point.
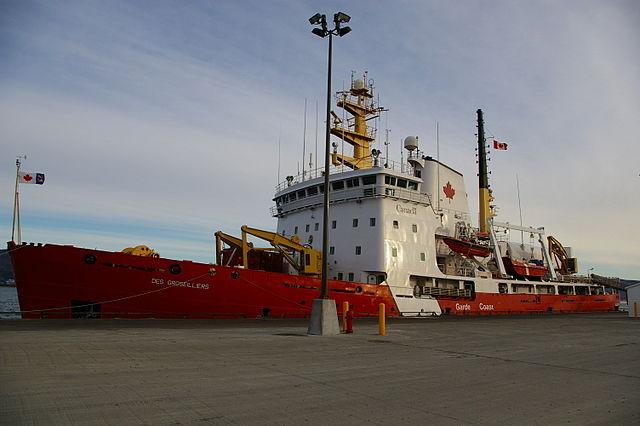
(353, 182)
(321, 188)
(351, 277)
(503, 288)
(390, 180)
(292, 196)
(413, 185)
(369, 180)
(301, 193)
(337, 186)
(312, 190)
(402, 183)
(597, 290)
(417, 173)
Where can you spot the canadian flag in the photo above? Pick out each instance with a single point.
(499, 145)
(34, 178)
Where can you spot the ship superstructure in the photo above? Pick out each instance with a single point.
(409, 227)
(400, 234)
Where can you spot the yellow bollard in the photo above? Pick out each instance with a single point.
(381, 320)
(635, 310)
(345, 308)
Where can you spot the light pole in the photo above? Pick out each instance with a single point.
(324, 310)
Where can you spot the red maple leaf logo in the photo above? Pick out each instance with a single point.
(27, 178)
(448, 190)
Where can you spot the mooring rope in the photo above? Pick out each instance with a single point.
(106, 301)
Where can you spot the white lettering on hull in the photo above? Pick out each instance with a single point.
(185, 284)
(467, 307)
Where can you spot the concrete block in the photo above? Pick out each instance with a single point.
(324, 318)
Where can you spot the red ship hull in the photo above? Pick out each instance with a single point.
(56, 281)
(501, 304)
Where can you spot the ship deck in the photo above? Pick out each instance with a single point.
(527, 369)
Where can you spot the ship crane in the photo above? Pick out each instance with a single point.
(310, 260)
(568, 265)
(234, 242)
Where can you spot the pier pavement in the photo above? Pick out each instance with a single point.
(581, 368)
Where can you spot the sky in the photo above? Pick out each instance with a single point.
(157, 122)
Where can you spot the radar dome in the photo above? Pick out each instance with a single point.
(359, 84)
(411, 143)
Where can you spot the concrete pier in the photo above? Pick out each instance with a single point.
(580, 368)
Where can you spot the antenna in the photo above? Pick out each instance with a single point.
(316, 137)
(304, 137)
(520, 209)
(386, 146)
(438, 158)
(279, 138)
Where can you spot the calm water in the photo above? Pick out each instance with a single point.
(9, 303)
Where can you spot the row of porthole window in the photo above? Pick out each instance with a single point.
(332, 250)
(355, 222)
(394, 253)
(350, 276)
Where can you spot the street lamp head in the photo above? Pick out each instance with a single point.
(341, 17)
(319, 32)
(344, 30)
(315, 19)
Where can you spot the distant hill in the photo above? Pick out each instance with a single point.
(6, 270)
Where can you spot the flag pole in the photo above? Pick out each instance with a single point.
(16, 207)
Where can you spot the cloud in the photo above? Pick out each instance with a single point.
(167, 114)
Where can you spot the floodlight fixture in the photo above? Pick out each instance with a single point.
(315, 19)
(344, 30)
(341, 17)
(319, 32)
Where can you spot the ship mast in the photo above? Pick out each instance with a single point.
(357, 101)
(484, 195)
